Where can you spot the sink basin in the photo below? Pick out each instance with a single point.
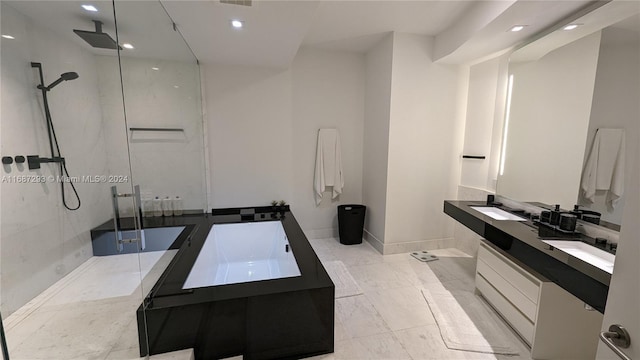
(585, 252)
(497, 214)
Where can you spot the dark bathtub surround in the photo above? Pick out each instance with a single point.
(519, 242)
(161, 233)
(269, 319)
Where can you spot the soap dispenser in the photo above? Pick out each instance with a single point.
(576, 211)
(555, 216)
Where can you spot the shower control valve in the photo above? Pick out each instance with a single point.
(34, 161)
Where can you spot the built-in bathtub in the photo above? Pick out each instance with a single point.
(244, 252)
(226, 293)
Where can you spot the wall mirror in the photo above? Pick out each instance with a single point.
(563, 88)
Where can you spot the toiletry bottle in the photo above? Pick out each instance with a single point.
(167, 209)
(555, 216)
(177, 206)
(146, 197)
(157, 206)
(576, 211)
(147, 207)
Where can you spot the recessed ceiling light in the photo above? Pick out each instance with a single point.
(89, 8)
(237, 24)
(176, 86)
(517, 28)
(155, 68)
(8, 37)
(127, 46)
(570, 26)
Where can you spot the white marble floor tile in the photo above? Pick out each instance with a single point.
(381, 346)
(324, 244)
(325, 255)
(425, 343)
(359, 254)
(401, 308)
(87, 332)
(339, 331)
(402, 257)
(384, 276)
(390, 321)
(128, 338)
(444, 269)
(359, 318)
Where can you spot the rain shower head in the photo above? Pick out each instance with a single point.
(64, 77)
(98, 39)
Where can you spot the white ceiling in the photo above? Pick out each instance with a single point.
(616, 13)
(271, 36)
(463, 31)
(357, 25)
(145, 24)
(274, 30)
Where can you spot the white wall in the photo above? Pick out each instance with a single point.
(376, 139)
(423, 147)
(262, 132)
(42, 241)
(163, 163)
(615, 104)
(249, 120)
(328, 92)
(547, 131)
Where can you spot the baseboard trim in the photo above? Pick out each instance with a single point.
(374, 241)
(430, 244)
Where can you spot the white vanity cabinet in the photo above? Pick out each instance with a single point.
(553, 322)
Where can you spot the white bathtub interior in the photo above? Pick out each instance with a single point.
(243, 252)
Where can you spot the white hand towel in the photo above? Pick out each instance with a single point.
(604, 169)
(328, 164)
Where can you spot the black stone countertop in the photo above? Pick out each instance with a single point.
(168, 292)
(520, 243)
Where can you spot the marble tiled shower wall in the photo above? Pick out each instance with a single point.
(163, 163)
(40, 240)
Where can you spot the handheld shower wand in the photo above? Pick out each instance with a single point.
(64, 77)
(34, 161)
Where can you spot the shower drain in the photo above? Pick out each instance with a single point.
(424, 256)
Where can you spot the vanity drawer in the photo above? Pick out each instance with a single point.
(511, 272)
(517, 298)
(514, 317)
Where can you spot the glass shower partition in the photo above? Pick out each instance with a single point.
(161, 85)
(70, 282)
(165, 133)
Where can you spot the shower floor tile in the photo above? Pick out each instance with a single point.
(88, 314)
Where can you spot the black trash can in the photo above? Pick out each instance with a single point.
(351, 223)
